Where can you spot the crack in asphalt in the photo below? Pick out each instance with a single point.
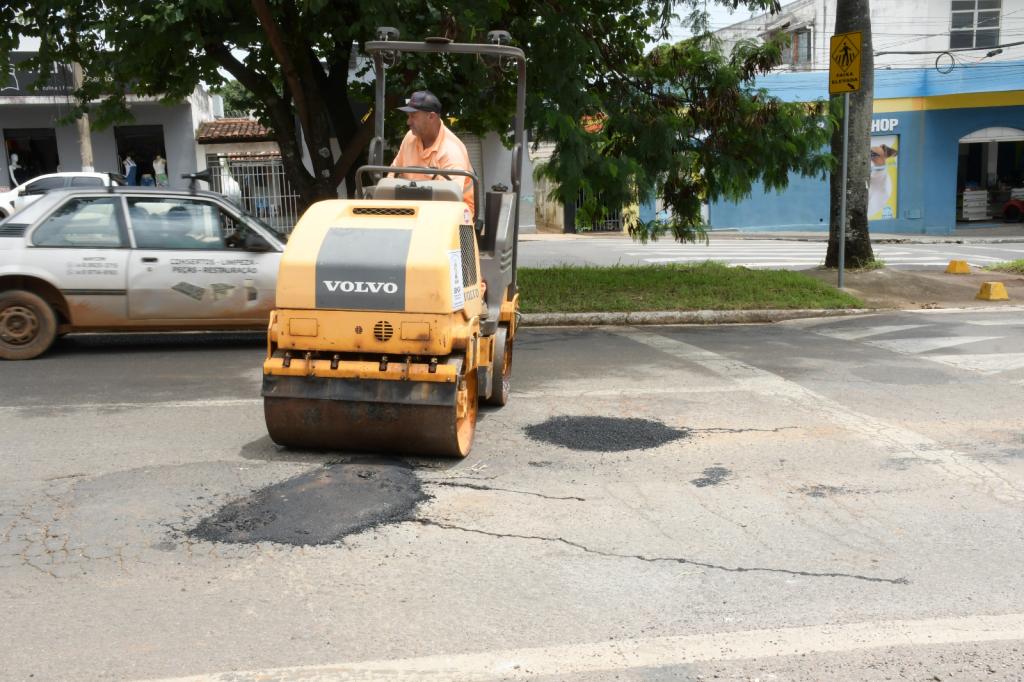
(719, 429)
(677, 560)
(472, 486)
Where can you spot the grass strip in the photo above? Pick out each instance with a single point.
(704, 286)
(1015, 266)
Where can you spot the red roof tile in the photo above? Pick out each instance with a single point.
(232, 130)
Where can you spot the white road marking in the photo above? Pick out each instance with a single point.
(992, 363)
(996, 323)
(612, 392)
(854, 334)
(901, 442)
(797, 255)
(136, 406)
(745, 264)
(566, 660)
(925, 344)
(971, 309)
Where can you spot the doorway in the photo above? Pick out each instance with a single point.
(990, 171)
(137, 148)
(30, 152)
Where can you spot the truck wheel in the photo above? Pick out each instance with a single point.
(1011, 214)
(501, 377)
(28, 325)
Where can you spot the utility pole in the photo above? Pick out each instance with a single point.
(84, 129)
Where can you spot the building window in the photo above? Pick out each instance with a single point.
(802, 53)
(974, 23)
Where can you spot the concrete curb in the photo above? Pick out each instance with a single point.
(682, 317)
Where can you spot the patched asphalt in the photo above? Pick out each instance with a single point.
(319, 507)
(604, 434)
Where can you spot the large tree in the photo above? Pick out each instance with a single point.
(681, 121)
(853, 15)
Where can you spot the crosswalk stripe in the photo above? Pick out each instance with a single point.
(991, 363)
(923, 345)
(683, 259)
(996, 323)
(854, 334)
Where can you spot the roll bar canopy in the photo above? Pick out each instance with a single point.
(388, 45)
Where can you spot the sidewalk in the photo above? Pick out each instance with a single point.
(917, 289)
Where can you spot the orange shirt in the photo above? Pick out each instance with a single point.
(446, 152)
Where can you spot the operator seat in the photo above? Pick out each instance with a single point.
(420, 190)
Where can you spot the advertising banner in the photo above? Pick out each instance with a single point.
(18, 82)
(882, 189)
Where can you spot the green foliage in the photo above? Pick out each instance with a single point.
(703, 286)
(1014, 266)
(688, 127)
(873, 264)
(237, 100)
(681, 121)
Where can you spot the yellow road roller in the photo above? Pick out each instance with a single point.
(396, 311)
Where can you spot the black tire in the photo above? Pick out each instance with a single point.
(28, 325)
(501, 375)
(1012, 214)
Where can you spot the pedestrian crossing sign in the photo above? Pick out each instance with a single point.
(844, 63)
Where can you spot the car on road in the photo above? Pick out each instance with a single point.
(30, 190)
(132, 259)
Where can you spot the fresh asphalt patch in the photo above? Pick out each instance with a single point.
(319, 507)
(604, 434)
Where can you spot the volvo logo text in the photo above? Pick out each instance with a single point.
(349, 287)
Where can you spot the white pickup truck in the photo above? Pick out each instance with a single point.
(131, 259)
(30, 190)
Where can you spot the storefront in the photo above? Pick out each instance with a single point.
(940, 154)
(159, 142)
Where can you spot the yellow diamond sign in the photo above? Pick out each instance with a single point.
(844, 63)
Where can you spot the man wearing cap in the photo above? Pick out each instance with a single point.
(430, 144)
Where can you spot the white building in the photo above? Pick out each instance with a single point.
(897, 26)
(37, 142)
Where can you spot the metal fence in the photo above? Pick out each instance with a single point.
(609, 220)
(257, 182)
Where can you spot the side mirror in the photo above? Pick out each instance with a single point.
(23, 193)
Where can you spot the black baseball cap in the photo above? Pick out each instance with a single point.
(422, 100)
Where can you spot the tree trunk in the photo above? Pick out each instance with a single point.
(853, 15)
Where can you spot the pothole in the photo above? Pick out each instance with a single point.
(319, 507)
(604, 434)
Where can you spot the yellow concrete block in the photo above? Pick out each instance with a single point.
(958, 267)
(992, 291)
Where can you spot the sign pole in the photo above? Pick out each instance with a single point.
(842, 201)
(844, 77)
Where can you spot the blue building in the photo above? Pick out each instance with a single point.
(935, 136)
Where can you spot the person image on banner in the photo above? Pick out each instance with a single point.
(882, 188)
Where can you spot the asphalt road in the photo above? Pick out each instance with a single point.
(820, 499)
(787, 254)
